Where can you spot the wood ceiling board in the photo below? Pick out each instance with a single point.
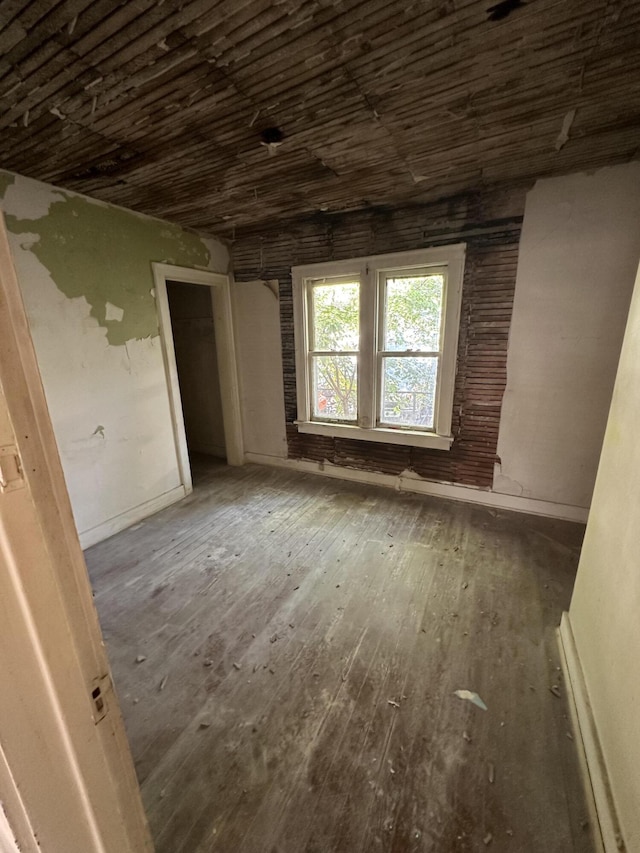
(382, 103)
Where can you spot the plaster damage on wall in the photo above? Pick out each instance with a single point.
(490, 225)
(85, 273)
(117, 247)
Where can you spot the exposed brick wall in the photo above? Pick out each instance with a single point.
(490, 226)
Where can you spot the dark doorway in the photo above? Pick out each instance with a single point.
(194, 339)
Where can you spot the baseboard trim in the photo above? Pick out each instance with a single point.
(410, 482)
(607, 834)
(131, 516)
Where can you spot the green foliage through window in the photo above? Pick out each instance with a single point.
(413, 308)
(336, 316)
(335, 327)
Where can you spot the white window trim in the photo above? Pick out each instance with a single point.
(367, 270)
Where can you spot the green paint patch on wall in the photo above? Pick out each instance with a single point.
(104, 254)
(6, 180)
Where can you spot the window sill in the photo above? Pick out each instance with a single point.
(411, 438)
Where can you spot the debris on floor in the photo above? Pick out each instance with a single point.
(262, 726)
(470, 696)
(555, 690)
(140, 658)
(163, 682)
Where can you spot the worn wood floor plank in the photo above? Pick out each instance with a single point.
(303, 642)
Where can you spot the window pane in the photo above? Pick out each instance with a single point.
(335, 387)
(409, 391)
(336, 309)
(413, 308)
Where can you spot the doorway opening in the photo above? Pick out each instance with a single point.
(196, 331)
(194, 343)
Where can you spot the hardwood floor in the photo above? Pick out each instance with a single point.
(303, 640)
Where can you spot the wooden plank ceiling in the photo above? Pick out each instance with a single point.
(160, 105)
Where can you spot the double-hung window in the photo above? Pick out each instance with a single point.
(376, 344)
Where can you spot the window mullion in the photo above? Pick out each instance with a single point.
(309, 343)
(367, 361)
(380, 290)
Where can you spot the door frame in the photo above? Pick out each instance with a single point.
(67, 776)
(227, 363)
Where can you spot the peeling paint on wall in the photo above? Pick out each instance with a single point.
(84, 269)
(113, 312)
(104, 254)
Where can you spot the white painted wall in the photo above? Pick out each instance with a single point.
(258, 343)
(605, 609)
(109, 404)
(578, 256)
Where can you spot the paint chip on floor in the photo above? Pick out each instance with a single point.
(470, 696)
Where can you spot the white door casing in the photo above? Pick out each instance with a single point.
(225, 347)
